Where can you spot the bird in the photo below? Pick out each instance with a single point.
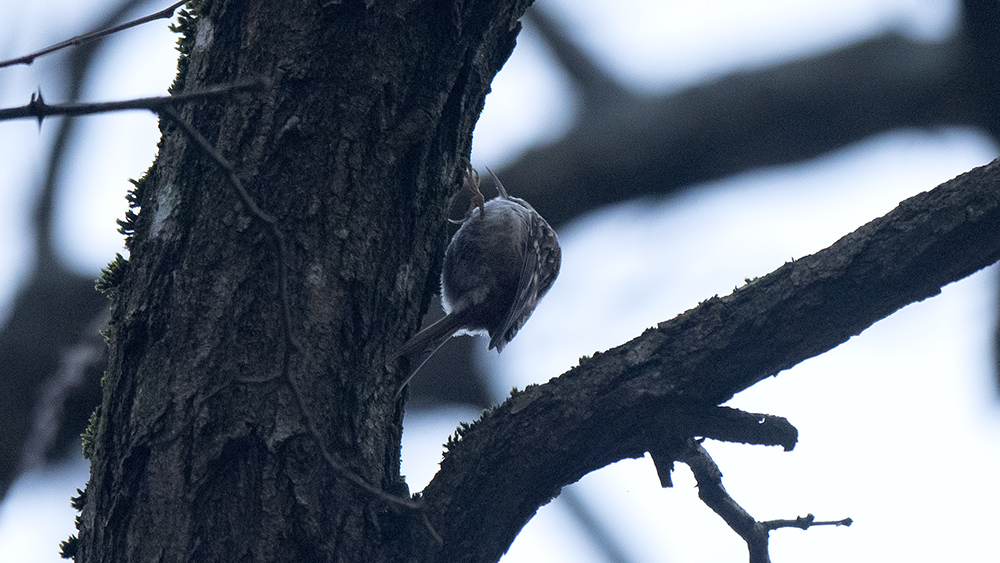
(498, 266)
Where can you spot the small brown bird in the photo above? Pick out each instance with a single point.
(498, 266)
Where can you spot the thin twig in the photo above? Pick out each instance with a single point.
(279, 236)
(712, 493)
(38, 109)
(804, 523)
(87, 37)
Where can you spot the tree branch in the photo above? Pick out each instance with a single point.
(619, 403)
(713, 494)
(38, 109)
(165, 13)
(804, 523)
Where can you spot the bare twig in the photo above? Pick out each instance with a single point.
(38, 109)
(712, 493)
(804, 522)
(87, 37)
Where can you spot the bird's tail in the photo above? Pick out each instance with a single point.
(422, 346)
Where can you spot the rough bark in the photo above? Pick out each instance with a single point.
(238, 361)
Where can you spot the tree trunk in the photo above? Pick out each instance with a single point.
(247, 393)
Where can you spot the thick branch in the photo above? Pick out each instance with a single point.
(617, 403)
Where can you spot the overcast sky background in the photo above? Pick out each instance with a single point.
(899, 427)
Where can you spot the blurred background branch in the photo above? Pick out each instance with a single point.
(54, 305)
